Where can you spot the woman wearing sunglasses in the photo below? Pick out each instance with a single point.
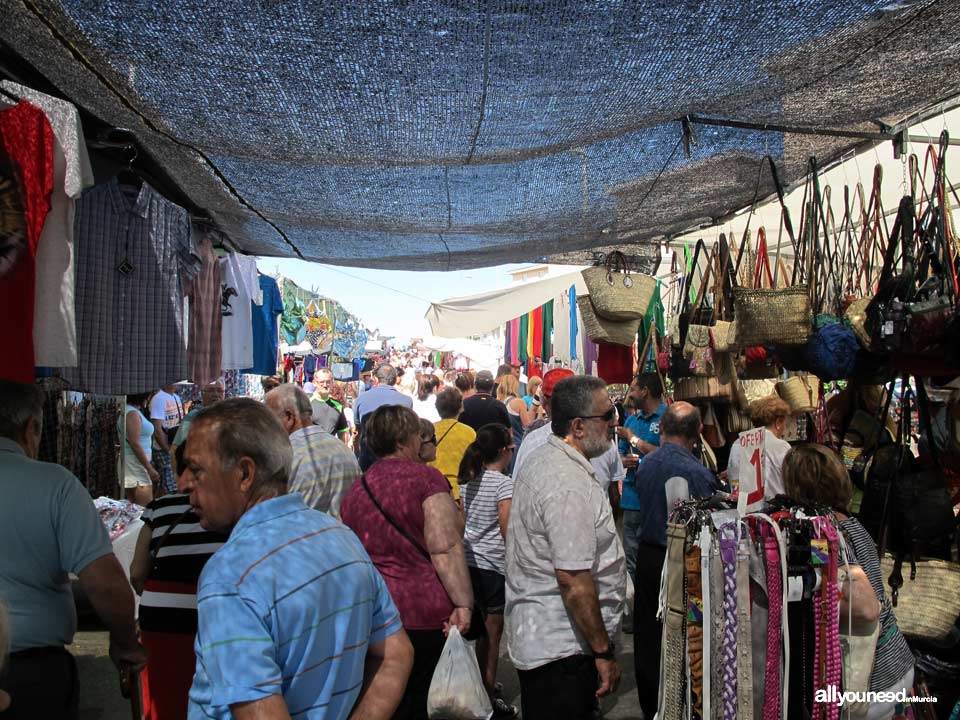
(486, 493)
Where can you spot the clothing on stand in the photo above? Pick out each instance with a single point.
(546, 346)
(523, 335)
(205, 344)
(27, 140)
(239, 286)
(54, 323)
(135, 257)
(574, 323)
(591, 354)
(561, 328)
(265, 317)
(515, 340)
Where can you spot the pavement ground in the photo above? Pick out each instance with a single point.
(100, 687)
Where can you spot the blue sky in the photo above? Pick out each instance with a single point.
(392, 300)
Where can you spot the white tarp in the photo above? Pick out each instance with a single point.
(478, 314)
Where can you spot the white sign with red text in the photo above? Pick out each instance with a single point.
(750, 480)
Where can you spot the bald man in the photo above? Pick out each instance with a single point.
(666, 476)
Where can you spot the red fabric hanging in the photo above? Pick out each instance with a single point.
(615, 363)
(28, 141)
(537, 331)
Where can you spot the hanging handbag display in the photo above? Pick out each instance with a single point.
(618, 294)
(800, 392)
(772, 316)
(599, 329)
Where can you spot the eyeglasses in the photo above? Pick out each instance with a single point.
(433, 440)
(606, 417)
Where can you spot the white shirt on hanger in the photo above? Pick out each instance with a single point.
(240, 286)
(54, 314)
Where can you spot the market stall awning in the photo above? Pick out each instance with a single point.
(481, 313)
(436, 135)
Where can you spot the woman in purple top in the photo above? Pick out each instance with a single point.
(405, 516)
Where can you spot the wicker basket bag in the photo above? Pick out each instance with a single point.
(599, 329)
(616, 293)
(801, 393)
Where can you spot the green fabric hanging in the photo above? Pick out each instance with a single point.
(654, 317)
(524, 332)
(547, 350)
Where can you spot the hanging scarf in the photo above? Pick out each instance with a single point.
(574, 329)
(546, 348)
(536, 337)
(522, 355)
(515, 340)
(506, 343)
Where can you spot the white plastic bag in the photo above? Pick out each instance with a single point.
(456, 690)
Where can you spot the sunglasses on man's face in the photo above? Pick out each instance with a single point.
(606, 417)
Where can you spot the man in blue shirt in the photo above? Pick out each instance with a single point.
(294, 619)
(49, 527)
(639, 436)
(669, 474)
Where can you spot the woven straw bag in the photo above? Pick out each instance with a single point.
(723, 336)
(749, 391)
(738, 421)
(928, 604)
(801, 393)
(772, 317)
(599, 329)
(697, 350)
(702, 388)
(618, 294)
(856, 316)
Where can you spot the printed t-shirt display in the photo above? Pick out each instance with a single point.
(240, 286)
(54, 324)
(265, 316)
(135, 255)
(28, 141)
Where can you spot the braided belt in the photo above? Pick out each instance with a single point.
(771, 682)
(828, 662)
(673, 672)
(744, 641)
(728, 650)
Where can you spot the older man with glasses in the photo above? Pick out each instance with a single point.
(327, 412)
(566, 578)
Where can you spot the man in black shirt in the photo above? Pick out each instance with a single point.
(483, 408)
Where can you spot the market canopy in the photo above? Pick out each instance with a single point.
(438, 135)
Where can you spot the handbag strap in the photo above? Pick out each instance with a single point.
(447, 432)
(412, 540)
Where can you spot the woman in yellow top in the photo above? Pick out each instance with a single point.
(453, 437)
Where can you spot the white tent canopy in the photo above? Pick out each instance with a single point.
(481, 354)
(478, 314)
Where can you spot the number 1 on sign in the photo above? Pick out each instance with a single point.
(750, 447)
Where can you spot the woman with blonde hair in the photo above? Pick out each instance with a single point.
(508, 391)
(772, 414)
(814, 476)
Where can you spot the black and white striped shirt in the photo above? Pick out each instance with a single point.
(169, 601)
(894, 658)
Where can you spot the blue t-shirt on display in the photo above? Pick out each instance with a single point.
(265, 319)
(647, 428)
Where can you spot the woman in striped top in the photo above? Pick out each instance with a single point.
(815, 476)
(171, 551)
(487, 493)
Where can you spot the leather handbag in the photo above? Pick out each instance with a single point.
(618, 294)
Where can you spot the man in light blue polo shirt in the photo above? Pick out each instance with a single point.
(291, 610)
(639, 436)
(49, 527)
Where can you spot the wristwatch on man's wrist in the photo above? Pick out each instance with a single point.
(609, 654)
(634, 441)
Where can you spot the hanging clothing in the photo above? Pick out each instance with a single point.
(522, 339)
(54, 324)
(135, 256)
(515, 340)
(546, 346)
(28, 142)
(531, 329)
(536, 344)
(13, 220)
(265, 316)
(205, 348)
(561, 328)
(506, 342)
(574, 326)
(590, 356)
(615, 363)
(239, 286)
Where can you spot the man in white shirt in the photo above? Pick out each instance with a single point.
(166, 412)
(566, 574)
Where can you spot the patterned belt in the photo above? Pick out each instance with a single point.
(771, 678)
(744, 642)
(694, 628)
(706, 539)
(673, 671)
(728, 651)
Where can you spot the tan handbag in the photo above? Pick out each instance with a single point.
(801, 393)
(723, 336)
(702, 388)
(928, 604)
(749, 391)
(618, 294)
(698, 351)
(602, 330)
